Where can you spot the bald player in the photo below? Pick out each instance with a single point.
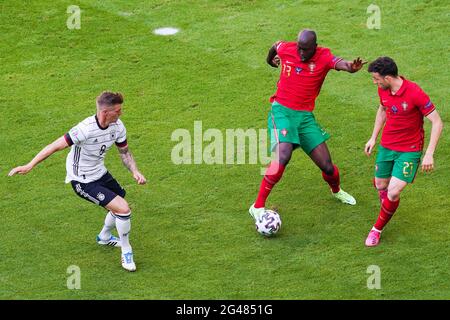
(292, 125)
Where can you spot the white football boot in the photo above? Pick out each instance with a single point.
(256, 213)
(344, 197)
(112, 241)
(127, 261)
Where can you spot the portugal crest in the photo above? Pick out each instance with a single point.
(312, 66)
(404, 105)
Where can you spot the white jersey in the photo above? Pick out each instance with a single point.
(90, 142)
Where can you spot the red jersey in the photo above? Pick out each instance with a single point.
(300, 82)
(405, 110)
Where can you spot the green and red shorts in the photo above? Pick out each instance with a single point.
(402, 165)
(297, 127)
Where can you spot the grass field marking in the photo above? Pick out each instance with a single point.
(166, 31)
(74, 279)
(374, 20)
(74, 20)
(374, 280)
(125, 13)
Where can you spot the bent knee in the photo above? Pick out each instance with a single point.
(394, 193)
(123, 210)
(284, 157)
(381, 185)
(284, 160)
(284, 153)
(120, 206)
(328, 168)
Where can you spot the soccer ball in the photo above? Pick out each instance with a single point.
(269, 223)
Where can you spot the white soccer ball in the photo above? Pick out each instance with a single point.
(269, 223)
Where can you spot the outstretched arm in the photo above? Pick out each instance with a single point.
(57, 145)
(130, 164)
(436, 129)
(380, 119)
(350, 66)
(272, 58)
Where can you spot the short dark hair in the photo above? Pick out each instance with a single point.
(385, 66)
(109, 99)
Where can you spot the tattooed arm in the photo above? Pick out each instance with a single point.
(130, 164)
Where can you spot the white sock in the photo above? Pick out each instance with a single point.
(123, 225)
(110, 223)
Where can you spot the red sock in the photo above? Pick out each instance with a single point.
(382, 193)
(387, 210)
(334, 181)
(272, 176)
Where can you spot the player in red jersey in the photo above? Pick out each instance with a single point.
(304, 66)
(403, 105)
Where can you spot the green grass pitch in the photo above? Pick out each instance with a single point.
(191, 232)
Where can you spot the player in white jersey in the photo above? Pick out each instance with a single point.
(85, 162)
(90, 140)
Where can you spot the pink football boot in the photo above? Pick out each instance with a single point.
(373, 238)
